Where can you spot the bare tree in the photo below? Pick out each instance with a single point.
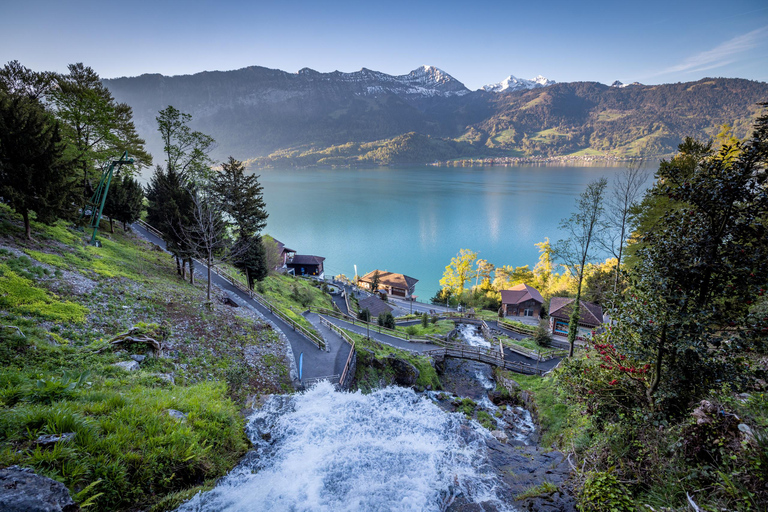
(584, 227)
(206, 232)
(627, 190)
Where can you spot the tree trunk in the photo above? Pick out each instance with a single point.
(209, 276)
(618, 263)
(573, 323)
(111, 227)
(27, 226)
(191, 271)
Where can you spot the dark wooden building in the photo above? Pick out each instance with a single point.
(306, 265)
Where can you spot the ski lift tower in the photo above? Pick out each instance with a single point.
(95, 206)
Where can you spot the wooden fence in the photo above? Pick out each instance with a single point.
(378, 328)
(483, 355)
(346, 337)
(275, 310)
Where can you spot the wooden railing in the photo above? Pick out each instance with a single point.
(274, 309)
(483, 355)
(310, 335)
(378, 328)
(515, 328)
(346, 337)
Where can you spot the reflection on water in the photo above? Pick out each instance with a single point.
(413, 220)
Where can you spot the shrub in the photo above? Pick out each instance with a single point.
(542, 336)
(412, 330)
(424, 320)
(364, 315)
(602, 491)
(387, 320)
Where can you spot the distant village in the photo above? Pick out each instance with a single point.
(522, 302)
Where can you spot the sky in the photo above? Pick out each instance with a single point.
(475, 42)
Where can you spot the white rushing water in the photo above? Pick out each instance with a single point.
(471, 335)
(324, 450)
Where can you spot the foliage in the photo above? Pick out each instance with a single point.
(537, 490)
(424, 320)
(602, 492)
(458, 272)
(542, 336)
(125, 201)
(386, 320)
(186, 151)
(584, 228)
(35, 176)
(364, 315)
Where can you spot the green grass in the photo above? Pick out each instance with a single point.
(128, 453)
(427, 374)
(442, 327)
(526, 343)
(559, 421)
(537, 490)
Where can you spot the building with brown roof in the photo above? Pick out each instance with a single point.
(521, 300)
(374, 305)
(590, 317)
(306, 265)
(397, 285)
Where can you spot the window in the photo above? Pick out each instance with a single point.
(528, 312)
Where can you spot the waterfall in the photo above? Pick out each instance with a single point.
(324, 450)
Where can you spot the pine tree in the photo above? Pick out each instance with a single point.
(242, 199)
(124, 202)
(34, 175)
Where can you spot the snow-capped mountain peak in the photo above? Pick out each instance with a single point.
(512, 83)
(622, 85)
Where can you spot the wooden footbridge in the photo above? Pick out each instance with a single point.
(483, 355)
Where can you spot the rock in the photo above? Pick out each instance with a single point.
(53, 439)
(21, 490)
(405, 373)
(743, 396)
(128, 366)
(168, 377)
(500, 436)
(704, 412)
(227, 300)
(138, 358)
(748, 435)
(177, 415)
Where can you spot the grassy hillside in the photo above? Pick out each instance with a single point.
(61, 301)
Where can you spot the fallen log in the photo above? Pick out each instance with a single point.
(133, 335)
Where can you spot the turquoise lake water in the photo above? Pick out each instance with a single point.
(413, 220)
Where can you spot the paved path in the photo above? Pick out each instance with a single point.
(381, 337)
(317, 363)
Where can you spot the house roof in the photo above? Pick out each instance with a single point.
(281, 248)
(520, 293)
(589, 313)
(375, 305)
(306, 259)
(391, 279)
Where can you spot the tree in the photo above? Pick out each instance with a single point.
(483, 273)
(170, 209)
(375, 279)
(458, 272)
(507, 276)
(242, 200)
(186, 151)
(98, 128)
(272, 253)
(386, 320)
(16, 79)
(34, 174)
(364, 315)
(544, 267)
(584, 228)
(125, 201)
(627, 189)
(700, 268)
(205, 233)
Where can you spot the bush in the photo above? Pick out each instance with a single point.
(387, 320)
(364, 315)
(603, 491)
(424, 320)
(542, 336)
(412, 330)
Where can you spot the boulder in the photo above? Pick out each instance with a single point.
(52, 439)
(177, 415)
(500, 436)
(137, 357)
(405, 373)
(168, 377)
(21, 490)
(128, 366)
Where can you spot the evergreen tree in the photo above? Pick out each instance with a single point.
(34, 175)
(124, 202)
(242, 199)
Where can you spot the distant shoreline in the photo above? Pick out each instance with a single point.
(585, 160)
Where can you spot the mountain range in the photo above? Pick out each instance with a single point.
(275, 117)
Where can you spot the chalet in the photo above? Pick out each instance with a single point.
(590, 317)
(521, 300)
(397, 285)
(284, 252)
(306, 265)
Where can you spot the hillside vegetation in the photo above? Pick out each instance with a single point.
(61, 302)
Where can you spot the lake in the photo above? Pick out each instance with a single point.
(413, 220)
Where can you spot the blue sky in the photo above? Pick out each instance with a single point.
(476, 42)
